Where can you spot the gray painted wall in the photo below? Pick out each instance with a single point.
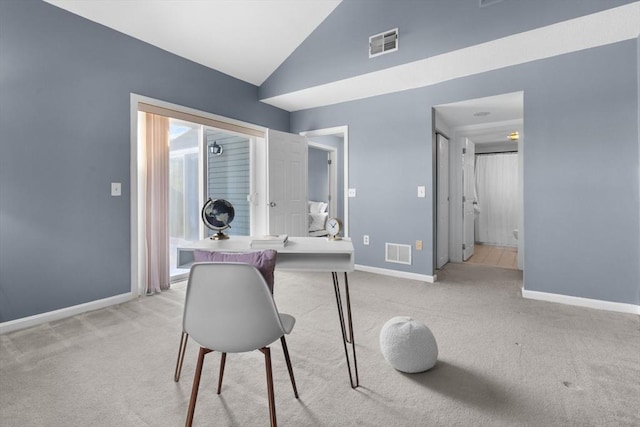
(64, 136)
(338, 49)
(580, 169)
(65, 85)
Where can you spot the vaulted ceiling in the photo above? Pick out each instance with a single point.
(246, 39)
(250, 39)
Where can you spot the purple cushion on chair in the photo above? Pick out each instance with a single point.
(264, 261)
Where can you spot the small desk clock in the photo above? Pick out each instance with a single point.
(334, 227)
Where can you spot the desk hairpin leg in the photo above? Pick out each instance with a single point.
(346, 339)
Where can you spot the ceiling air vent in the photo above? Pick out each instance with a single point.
(383, 43)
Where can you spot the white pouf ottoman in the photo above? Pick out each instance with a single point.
(408, 345)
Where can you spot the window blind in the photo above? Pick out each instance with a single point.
(228, 177)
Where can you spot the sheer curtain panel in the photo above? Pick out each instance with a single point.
(497, 187)
(157, 203)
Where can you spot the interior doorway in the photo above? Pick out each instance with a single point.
(480, 128)
(494, 255)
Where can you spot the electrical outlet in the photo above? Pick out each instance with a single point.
(352, 192)
(418, 245)
(365, 239)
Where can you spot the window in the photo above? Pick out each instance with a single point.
(229, 175)
(184, 184)
(186, 175)
(226, 175)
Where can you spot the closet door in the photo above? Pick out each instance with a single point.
(443, 202)
(468, 198)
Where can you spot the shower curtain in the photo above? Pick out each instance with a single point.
(497, 189)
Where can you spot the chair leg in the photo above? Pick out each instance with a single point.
(288, 360)
(181, 350)
(223, 359)
(196, 384)
(272, 403)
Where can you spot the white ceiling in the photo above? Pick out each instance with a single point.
(486, 121)
(246, 39)
(500, 108)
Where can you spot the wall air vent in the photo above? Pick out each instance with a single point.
(400, 254)
(382, 43)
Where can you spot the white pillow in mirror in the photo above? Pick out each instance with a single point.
(317, 207)
(317, 221)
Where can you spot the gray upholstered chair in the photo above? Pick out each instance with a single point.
(229, 308)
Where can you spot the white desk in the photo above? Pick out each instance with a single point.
(306, 254)
(300, 253)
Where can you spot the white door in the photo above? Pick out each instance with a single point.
(287, 184)
(468, 198)
(443, 202)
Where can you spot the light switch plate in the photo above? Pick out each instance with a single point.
(116, 189)
(422, 191)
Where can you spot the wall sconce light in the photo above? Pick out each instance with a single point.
(215, 149)
(514, 136)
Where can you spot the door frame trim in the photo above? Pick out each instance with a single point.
(437, 201)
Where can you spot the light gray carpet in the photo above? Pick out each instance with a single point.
(504, 361)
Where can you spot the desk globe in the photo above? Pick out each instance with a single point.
(217, 214)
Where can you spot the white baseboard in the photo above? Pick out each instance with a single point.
(536, 295)
(395, 273)
(50, 316)
(583, 302)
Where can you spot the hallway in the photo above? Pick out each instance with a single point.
(499, 256)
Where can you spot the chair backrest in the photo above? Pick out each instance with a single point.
(229, 308)
(264, 261)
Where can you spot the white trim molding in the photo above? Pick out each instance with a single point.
(38, 319)
(395, 273)
(618, 307)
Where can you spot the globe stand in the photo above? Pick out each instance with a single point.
(219, 236)
(216, 215)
